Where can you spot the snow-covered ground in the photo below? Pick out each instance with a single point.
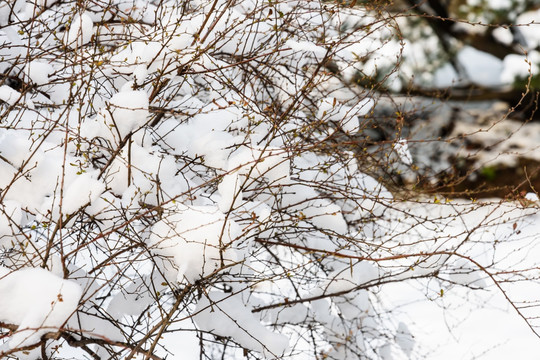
(173, 180)
(477, 321)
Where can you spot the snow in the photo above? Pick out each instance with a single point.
(128, 111)
(402, 149)
(330, 109)
(465, 273)
(529, 30)
(10, 220)
(147, 168)
(45, 3)
(519, 67)
(505, 141)
(38, 72)
(4, 13)
(504, 36)
(246, 167)
(480, 67)
(445, 76)
(458, 321)
(404, 338)
(14, 147)
(37, 301)
(229, 201)
(322, 214)
(531, 196)
(491, 332)
(139, 74)
(9, 95)
(130, 58)
(353, 304)
(294, 314)
(186, 346)
(501, 4)
(80, 31)
(132, 300)
(197, 239)
(226, 315)
(85, 189)
(308, 47)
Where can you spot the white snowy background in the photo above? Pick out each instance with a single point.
(164, 184)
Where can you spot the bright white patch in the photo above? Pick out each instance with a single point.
(80, 31)
(227, 316)
(37, 301)
(10, 218)
(353, 303)
(38, 72)
(194, 241)
(503, 35)
(129, 110)
(404, 338)
(248, 166)
(308, 47)
(480, 67)
(85, 189)
(402, 149)
(519, 67)
(9, 95)
(531, 196)
(463, 272)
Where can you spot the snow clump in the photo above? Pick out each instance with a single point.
(80, 31)
(249, 166)
(37, 301)
(226, 315)
(129, 111)
(194, 241)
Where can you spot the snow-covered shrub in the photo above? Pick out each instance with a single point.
(180, 179)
